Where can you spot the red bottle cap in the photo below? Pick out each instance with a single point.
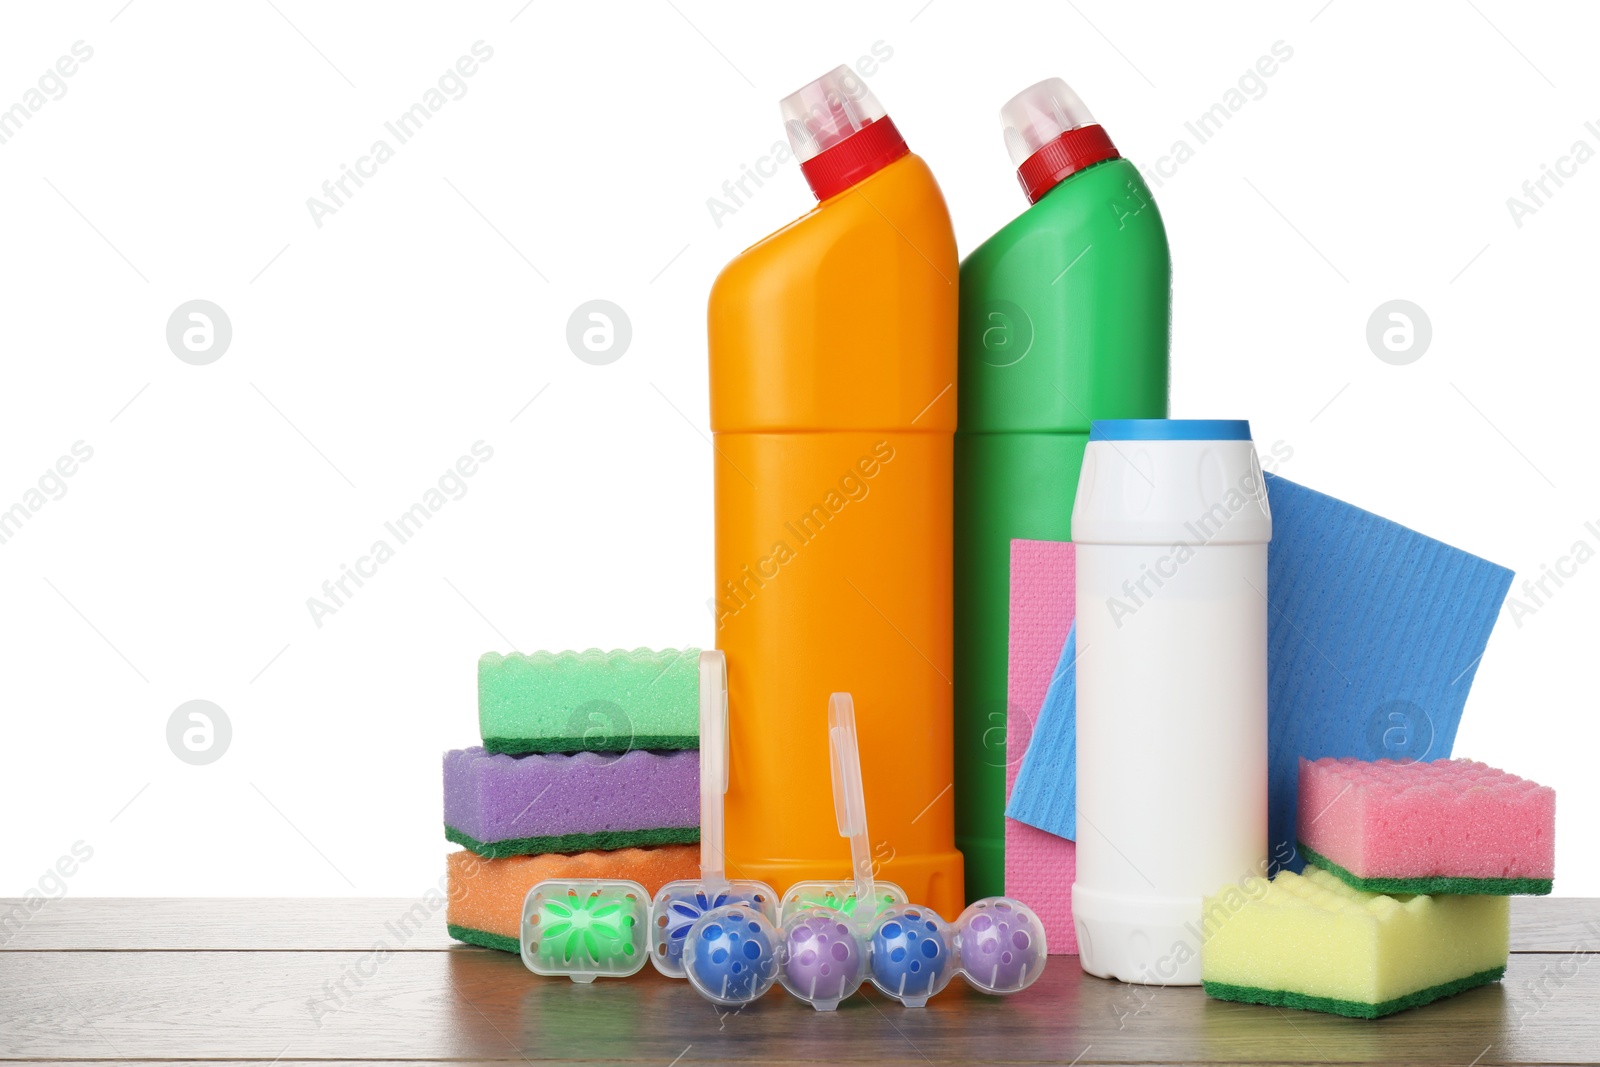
(862, 154)
(1050, 134)
(1067, 154)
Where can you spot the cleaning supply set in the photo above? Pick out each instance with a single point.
(729, 941)
(1094, 648)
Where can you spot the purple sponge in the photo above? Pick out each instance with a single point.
(499, 805)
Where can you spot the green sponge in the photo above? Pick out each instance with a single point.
(590, 701)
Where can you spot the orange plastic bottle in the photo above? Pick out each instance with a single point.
(833, 370)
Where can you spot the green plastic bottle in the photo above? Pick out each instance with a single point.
(1065, 318)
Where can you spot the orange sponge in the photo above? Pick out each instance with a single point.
(486, 895)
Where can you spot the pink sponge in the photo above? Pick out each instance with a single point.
(1450, 826)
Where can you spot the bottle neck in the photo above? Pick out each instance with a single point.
(1066, 155)
(854, 159)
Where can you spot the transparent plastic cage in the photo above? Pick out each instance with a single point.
(585, 928)
(828, 111)
(1038, 115)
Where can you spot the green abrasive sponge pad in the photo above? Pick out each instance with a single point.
(590, 701)
(483, 938)
(1354, 1009)
(598, 841)
(1434, 884)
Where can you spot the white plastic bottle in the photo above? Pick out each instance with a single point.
(1171, 524)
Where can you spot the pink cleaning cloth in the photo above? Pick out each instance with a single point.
(1040, 867)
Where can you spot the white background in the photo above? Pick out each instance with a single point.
(368, 354)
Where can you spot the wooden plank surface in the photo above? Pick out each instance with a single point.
(1538, 924)
(295, 1002)
(481, 1005)
(229, 924)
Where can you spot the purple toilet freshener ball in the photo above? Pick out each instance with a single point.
(824, 958)
(1001, 943)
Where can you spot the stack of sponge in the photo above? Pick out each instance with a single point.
(1405, 899)
(589, 768)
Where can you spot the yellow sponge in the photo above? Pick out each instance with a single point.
(1311, 941)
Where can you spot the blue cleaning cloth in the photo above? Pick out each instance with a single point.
(1374, 633)
(1046, 790)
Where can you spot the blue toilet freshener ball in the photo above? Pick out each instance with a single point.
(731, 955)
(679, 905)
(913, 954)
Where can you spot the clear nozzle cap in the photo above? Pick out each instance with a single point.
(849, 795)
(828, 111)
(1038, 115)
(713, 764)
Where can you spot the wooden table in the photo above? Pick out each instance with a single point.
(295, 981)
